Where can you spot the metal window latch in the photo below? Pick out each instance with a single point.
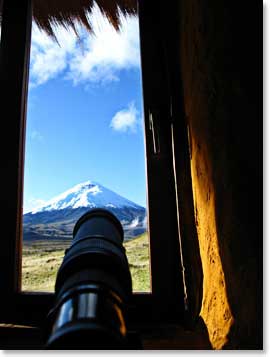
(155, 134)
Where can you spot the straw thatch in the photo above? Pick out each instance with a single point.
(50, 13)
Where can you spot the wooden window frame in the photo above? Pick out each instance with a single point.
(166, 301)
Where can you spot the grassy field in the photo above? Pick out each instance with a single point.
(41, 260)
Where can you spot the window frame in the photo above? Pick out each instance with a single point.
(166, 301)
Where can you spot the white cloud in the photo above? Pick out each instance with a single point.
(145, 222)
(95, 58)
(107, 52)
(126, 119)
(48, 59)
(134, 223)
(32, 204)
(35, 135)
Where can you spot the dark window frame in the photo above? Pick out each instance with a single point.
(166, 301)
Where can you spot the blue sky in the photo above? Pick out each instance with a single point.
(84, 117)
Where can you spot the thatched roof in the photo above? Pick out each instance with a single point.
(50, 13)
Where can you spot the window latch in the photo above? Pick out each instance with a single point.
(155, 134)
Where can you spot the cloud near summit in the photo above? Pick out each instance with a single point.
(94, 58)
(125, 119)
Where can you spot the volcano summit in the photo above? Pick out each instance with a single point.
(55, 218)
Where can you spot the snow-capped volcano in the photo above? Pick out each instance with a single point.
(55, 218)
(87, 194)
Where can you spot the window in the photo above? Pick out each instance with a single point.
(168, 286)
(84, 144)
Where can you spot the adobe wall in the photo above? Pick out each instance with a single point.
(220, 47)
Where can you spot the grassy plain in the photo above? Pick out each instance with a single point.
(42, 258)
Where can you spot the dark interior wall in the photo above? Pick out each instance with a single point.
(220, 45)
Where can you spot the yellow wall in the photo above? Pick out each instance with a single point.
(220, 83)
(215, 310)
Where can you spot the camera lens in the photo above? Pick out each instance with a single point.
(92, 288)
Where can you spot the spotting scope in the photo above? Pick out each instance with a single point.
(93, 287)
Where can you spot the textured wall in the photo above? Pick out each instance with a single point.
(220, 47)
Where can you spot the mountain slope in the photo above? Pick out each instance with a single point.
(56, 218)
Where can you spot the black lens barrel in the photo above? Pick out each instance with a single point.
(92, 287)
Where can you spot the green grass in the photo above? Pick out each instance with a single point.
(41, 261)
(137, 251)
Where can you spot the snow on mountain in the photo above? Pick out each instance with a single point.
(55, 218)
(87, 194)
